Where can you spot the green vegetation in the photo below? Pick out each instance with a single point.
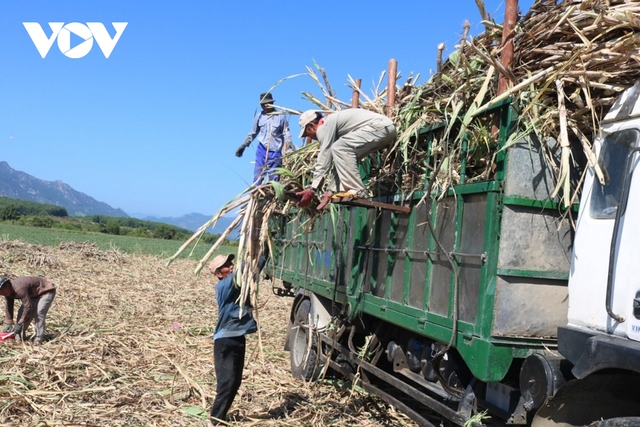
(20, 212)
(13, 209)
(49, 225)
(127, 244)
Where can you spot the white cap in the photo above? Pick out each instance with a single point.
(306, 118)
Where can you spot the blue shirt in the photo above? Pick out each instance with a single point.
(272, 131)
(229, 324)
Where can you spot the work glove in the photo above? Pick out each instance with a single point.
(240, 151)
(8, 327)
(325, 199)
(18, 329)
(305, 197)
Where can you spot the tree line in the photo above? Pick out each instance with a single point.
(22, 212)
(14, 208)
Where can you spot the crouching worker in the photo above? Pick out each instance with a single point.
(345, 137)
(229, 337)
(37, 295)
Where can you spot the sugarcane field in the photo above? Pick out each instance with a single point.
(440, 295)
(131, 346)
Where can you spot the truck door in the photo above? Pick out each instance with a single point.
(604, 287)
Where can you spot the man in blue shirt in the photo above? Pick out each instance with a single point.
(274, 139)
(229, 341)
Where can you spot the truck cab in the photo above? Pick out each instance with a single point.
(602, 335)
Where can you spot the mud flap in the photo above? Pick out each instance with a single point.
(597, 397)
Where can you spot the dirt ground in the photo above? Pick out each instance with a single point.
(131, 346)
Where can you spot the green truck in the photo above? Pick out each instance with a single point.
(482, 295)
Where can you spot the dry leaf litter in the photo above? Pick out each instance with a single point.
(131, 346)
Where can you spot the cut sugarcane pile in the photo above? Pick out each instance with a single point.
(130, 345)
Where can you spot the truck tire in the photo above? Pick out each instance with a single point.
(618, 422)
(303, 356)
(599, 400)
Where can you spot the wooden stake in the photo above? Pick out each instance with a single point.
(441, 48)
(355, 97)
(506, 55)
(391, 86)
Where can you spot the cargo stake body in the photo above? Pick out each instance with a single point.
(454, 307)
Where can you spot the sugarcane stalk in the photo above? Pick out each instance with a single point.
(536, 77)
(563, 180)
(591, 157)
(223, 211)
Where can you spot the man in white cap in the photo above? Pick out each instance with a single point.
(274, 139)
(229, 341)
(345, 137)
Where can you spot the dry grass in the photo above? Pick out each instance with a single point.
(132, 347)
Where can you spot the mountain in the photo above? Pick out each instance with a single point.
(193, 221)
(20, 185)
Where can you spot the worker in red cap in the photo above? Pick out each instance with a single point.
(229, 341)
(345, 137)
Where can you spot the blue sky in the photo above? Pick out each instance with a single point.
(153, 128)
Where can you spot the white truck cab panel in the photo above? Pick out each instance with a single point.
(602, 296)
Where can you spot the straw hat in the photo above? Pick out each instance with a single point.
(219, 261)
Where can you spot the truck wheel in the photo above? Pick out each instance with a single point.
(601, 400)
(618, 422)
(304, 356)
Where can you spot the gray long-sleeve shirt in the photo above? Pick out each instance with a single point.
(335, 126)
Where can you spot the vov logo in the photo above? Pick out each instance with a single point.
(90, 32)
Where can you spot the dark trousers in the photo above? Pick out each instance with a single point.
(228, 357)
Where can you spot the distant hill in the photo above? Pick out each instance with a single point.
(20, 185)
(193, 221)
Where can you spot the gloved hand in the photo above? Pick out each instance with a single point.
(306, 196)
(8, 327)
(240, 151)
(326, 198)
(18, 329)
